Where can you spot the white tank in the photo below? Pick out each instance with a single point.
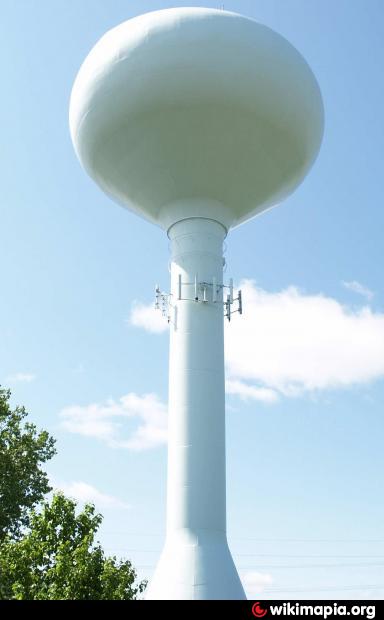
(196, 119)
(193, 103)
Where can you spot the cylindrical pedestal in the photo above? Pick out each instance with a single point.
(196, 563)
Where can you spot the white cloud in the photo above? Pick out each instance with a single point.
(293, 343)
(106, 421)
(251, 392)
(358, 288)
(147, 317)
(21, 377)
(83, 492)
(289, 343)
(255, 583)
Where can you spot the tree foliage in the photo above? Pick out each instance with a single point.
(22, 451)
(47, 549)
(58, 559)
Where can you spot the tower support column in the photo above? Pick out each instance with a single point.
(196, 563)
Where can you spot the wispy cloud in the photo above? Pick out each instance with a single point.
(251, 392)
(21, 377)
(84, 492)
(148, 318)
(360, 289)
(108, 421)
(255, 583)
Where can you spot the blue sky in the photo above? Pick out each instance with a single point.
(304, 435)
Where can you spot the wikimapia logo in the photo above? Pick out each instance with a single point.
(259, 610)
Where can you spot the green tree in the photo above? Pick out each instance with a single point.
(22, 482)
(58, 559)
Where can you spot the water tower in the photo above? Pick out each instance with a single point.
(197, 120)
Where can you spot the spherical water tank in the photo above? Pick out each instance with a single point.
(193, 112)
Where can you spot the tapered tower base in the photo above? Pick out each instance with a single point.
(196, 567)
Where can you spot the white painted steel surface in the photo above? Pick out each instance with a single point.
(197, 104)
(196, 562)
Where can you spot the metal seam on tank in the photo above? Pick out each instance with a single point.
(195, 217)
